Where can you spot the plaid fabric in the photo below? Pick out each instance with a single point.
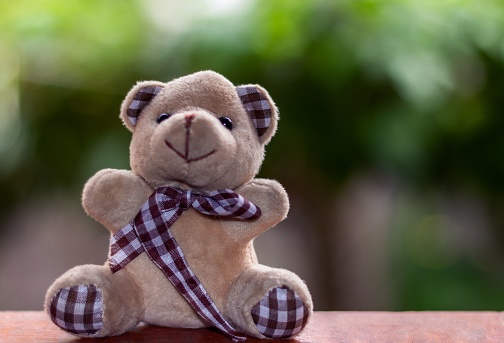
(280, 314)
(257, 106)
(124, 247)
(78, 310)
(150, 232)
(125, 244)
(142, 98)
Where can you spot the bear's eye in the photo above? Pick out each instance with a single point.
(163, 116)
(228, 124)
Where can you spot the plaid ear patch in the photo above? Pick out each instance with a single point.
(280, 314)
(257, 106)
(142, 98)
(78, 310)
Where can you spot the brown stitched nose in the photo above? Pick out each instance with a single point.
(189, 118)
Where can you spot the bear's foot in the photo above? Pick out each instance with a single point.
(280, 314)
(267, 302)
(78, 309)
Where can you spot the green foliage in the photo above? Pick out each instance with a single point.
(412, 89)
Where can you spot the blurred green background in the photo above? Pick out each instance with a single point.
(389, 143)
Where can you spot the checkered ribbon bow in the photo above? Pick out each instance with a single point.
(150, 232)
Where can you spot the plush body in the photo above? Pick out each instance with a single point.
(190, 148)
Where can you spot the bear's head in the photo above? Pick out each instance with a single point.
(198, 131)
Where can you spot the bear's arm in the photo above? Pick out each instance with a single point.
(113, 197)
(271, 198)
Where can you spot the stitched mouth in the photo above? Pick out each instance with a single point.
(185, 156)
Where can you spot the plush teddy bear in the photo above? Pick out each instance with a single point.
(183, 220)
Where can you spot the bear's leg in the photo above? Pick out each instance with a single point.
(90, 301)
(269, 303)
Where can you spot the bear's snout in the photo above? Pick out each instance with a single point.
(193, 147)
(192, 140)
(184, 150)
(192, 136)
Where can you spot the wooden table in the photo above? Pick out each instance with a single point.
(393, 327)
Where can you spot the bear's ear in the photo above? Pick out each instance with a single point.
(137, 99)
(261, 109)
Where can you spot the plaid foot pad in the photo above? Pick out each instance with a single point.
(280, 314)
(78, 309)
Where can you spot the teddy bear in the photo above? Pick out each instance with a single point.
(183, 220)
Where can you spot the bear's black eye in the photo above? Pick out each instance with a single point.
(163, 116)
(228, 124)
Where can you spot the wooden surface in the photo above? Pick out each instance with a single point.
(394, 327)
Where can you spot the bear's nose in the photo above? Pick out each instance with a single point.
(189, 117)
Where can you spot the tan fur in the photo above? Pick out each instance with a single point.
(219, 251)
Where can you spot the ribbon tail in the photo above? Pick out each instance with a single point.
(124, 248)
(170, 259)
